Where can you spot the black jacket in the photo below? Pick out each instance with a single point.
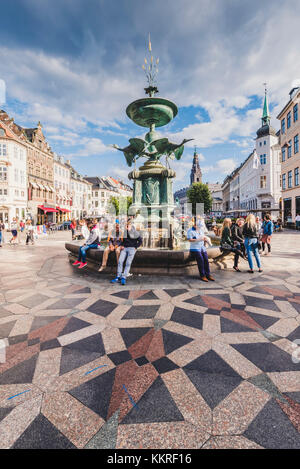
(249, 232)
(132, 240)
(237, 233)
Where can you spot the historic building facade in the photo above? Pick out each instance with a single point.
(13, 177)
(81, 193)
(62, 185)
(103, 188)
(255, 186)
(289, 117)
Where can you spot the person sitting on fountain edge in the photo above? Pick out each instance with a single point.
(131, 241)
(196, 237)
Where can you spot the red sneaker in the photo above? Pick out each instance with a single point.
(76, 263)
(83, 264)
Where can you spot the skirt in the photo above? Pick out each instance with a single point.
(266, 238)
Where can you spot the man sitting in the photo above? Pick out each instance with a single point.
(92, 242)
(196, 237)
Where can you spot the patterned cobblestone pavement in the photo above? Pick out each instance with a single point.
(159, 363)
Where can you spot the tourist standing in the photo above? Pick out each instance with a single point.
(84, 231)
(297, 220)
(29, 232)
(227, 243)
(196, 237)
(73, 227)
(92, 242)
(114, 244)
(130, 243)
(250, 232)
(267, 228)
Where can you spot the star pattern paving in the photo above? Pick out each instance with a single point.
(209, 367)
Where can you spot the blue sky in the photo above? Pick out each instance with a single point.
(75, 65)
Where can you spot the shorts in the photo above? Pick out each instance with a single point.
(14, 233)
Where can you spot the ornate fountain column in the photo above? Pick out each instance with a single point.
(152, 182)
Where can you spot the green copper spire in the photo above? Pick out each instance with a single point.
(266, 116)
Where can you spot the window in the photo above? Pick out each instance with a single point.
(296, 143)
(2, 149)
(3, 173)
(290, 148)
(22, 193)
(16, 175)
(288, 120)
(290, 182)
(265, 142)
(283, 154)
(96, 194)
(283, 126)
(296, 175)
(263, 159)
(260, 144)
(295, 111)
(16, 152)
(16, 193)
(280, 180)
(263, 182)
(22, 174)
(283, 182)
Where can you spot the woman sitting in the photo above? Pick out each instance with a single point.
(114, 243)
(227, 243)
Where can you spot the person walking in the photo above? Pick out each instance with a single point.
(250, 233)
(268, 229)
(227, 243)
(297, 220)
(14, 232)
(114, 244)
(130, 243)
(196, 237)
(29, 232)
(91, 243)
(2, 228)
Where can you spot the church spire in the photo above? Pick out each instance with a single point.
(196, 173)
(266, 115)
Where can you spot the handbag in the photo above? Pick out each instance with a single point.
(226, 246)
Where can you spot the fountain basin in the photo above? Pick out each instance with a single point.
(148, 111)
(151, 261)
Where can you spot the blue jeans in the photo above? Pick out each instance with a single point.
(251, 245)
(0, 237)
(202, 261)
(129, 253)
(83, 250)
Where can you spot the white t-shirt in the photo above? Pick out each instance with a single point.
(297, 218)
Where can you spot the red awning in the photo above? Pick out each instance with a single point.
(64, 210)
(47, 209)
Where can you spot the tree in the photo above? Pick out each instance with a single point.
(199, 193)
(119, 204)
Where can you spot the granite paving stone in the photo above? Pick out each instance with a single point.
(166, 362)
